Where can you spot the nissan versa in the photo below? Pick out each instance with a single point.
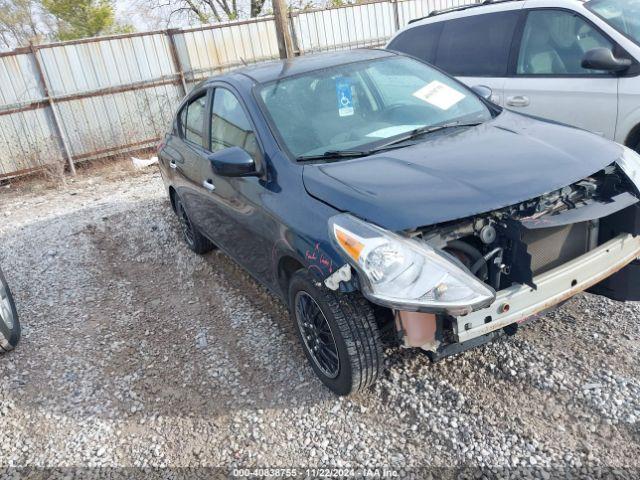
(386, 202)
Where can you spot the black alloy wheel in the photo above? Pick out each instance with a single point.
(317, 335)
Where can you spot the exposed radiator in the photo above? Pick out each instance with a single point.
(551, 247)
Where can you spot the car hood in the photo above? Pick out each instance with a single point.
(461, 173)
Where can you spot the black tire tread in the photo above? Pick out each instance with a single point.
(201, 244)
(17, 330)
(358, 328)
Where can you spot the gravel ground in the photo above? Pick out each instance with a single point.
(138, 353)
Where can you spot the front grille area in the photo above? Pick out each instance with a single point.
(551, 247)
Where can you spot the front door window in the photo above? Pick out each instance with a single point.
(230, 126)
(554, 42)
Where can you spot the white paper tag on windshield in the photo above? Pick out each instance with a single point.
(439, 95)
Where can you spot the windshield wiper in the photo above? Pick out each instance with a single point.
(363, 153)
(334, 154)
(417, 132)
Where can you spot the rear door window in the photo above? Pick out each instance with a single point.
(477, 46)
(420, 42)
(192, 121)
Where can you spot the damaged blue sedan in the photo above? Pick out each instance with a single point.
(389, 205)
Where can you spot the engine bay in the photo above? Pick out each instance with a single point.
(511, 248)
(516, 243)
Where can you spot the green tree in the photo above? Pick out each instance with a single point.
(83, 18)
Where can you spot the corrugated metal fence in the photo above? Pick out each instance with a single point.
(81, 100)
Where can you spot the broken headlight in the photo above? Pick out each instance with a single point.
(406, 274)
(629, 162)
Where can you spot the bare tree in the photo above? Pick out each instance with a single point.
(21, 22)
(205, 11)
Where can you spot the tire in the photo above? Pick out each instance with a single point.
(637, 147)
(10, 330)
(352, 328)
(191, 235)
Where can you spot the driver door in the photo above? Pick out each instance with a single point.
(549, 80)
(233, 216)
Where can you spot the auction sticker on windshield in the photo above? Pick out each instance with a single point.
(345, 97)
(439, 95)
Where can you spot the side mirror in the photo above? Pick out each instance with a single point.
(484, 91)
(603, 59)
(233, 162)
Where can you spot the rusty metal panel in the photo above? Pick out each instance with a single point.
(18, 80)
(214, 49)
(107, 122)
(27, 141)
(354, 26)
(84, 67)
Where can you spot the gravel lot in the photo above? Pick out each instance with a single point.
(137, 352)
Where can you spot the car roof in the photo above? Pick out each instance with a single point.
(279, 69)
(486, 6)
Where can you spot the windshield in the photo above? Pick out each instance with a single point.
(623, 15)
(366, 103)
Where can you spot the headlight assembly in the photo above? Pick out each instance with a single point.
(406, 274)
(629, 162)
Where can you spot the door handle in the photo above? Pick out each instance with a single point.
(173, 164)
(518, 101)
(208, 184)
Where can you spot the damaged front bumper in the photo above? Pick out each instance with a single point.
(519, 302)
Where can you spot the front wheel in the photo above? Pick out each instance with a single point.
(192, 236)
(9, 323)
(339, 335)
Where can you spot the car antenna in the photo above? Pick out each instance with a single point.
(244, 62)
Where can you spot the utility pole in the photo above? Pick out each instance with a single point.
(283, 32)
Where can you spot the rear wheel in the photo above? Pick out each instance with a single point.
(192, 236)
(339, 335)
(9, 323)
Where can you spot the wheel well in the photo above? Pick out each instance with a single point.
(172, 197)
(633, 140)
(286, 268)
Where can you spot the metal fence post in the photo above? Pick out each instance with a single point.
(176, 59)
(57, 124)
(294, 35)
(283, 32)
(396, 15)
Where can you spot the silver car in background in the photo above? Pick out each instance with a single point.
(572, 61)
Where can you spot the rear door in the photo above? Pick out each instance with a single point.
(186, 150)
(548, 79)
(476, 49)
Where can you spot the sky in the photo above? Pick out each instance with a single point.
(128, 11)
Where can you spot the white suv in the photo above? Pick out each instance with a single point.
(576, 62)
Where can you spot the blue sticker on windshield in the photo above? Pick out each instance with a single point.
(345, 97)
